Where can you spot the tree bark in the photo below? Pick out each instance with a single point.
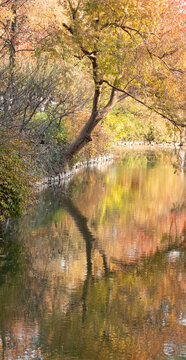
(96, 116)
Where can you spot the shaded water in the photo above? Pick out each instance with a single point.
(98, 274)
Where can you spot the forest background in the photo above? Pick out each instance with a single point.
(84, 75)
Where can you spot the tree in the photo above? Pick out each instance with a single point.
(131, 49)
(15, 36)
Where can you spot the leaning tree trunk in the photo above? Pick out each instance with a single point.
(96, 116)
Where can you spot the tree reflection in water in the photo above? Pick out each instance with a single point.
(74, 293)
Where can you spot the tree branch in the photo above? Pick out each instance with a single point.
(146, 105)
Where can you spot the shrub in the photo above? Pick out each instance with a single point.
(16, 181)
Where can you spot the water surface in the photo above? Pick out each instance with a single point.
(98, 274)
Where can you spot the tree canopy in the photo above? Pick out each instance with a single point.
(131, 47)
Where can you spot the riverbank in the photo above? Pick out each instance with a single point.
(21, 184)
(135, 145)
(118, 149)
(69, 172)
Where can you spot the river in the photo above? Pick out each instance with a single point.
(95, 271)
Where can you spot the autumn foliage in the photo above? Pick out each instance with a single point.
(66, 69)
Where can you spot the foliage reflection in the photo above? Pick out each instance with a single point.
(99, 274)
